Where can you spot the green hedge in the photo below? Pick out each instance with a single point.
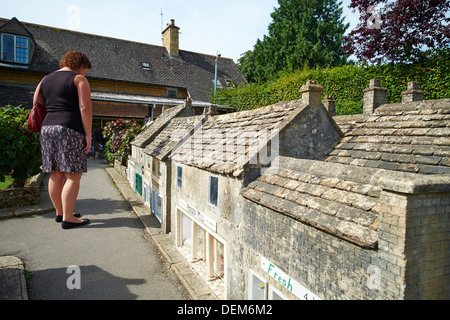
(346, 84)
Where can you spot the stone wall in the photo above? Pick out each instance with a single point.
(413, 236)
(19, 197)
(410, 262)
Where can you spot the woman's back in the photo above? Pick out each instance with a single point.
(61, 100)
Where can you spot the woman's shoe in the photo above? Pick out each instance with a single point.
(70, 225)
(59, 219)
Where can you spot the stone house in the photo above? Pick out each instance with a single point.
(282, 203)
(220, 158)
(128, 80)
(149, 167)
(368, 222)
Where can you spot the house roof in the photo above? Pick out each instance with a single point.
(403, 147)
(171, 136)
(121, 60)
(326, 196)
(153, 128)
(227, 143)
(411, 137)
(14, 26)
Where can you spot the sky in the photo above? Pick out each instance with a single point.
(228, 27)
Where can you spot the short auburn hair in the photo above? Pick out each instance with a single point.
(75, 60)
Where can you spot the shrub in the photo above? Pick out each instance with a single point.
(346, 83)
(119, 135)
(20, 149)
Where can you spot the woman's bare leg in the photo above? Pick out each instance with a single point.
(55, 187)
(69, 196)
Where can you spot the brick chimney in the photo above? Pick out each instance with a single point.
(312, 93)
(171, 38)
(412, 93)
(374, 96)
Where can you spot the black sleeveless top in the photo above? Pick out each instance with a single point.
(61, 100)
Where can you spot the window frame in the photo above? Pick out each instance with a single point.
(172, 93)
(179, 177)
(16, 47)
(210, 193)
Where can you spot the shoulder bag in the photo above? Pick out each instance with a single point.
(36, 116)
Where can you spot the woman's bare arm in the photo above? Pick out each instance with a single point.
(84, 95)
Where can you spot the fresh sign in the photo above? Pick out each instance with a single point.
(286, 281)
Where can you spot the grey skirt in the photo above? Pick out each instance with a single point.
(62, 150)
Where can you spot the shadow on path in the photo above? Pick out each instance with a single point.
(95, 284)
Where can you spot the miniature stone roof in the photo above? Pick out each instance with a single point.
(226, 143)
(342, 200)
(171, 136)
(153, 128)
(349, 122)
(324, 195)
(403, 147)
(411, 137)
(232, 143)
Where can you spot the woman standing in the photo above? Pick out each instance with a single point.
(66, 133)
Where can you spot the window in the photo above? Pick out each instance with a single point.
(145, 66)
(213, 190)
(179, 177)
(172, 93)
(156, 167)
(14, 48)
(146, 194)
(156, 205)
(198, 244)
(257, 287)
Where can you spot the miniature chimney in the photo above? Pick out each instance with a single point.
(374, 96)
(311, 93)
(330, 105)
(412, 93)
(212, 110)
(171, 38)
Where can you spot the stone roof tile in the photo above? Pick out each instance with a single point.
(226, 143)
(413, 137)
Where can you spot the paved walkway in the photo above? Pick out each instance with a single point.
(120, 255)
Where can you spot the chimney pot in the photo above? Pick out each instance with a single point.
(330, 105)
(374, 96)
(212, 110)
(413, 92)
(311, 93)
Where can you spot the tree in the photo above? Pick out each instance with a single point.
(302, 33)
(397, 31)
(20, 150)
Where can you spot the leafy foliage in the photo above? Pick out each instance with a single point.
(398, 31)
(303, 33)
(119, 135)
(20, 149)
(346, 83)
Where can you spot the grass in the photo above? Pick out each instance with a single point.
(7, 183)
